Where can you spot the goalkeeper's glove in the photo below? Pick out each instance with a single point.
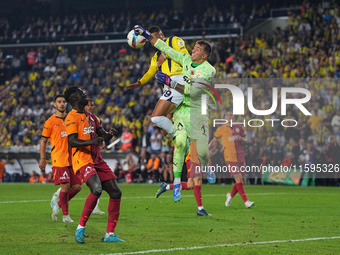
(165, 79)
(141, 31)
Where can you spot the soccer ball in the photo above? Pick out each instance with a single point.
(135, 41)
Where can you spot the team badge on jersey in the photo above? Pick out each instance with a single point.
(180, 43)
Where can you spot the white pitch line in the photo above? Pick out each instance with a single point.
(147, 197)
(224, 245)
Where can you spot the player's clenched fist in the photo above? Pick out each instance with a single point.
(113, 132)
(141, 31)
(165, 79)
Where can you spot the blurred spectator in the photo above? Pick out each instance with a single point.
(336, 122)
(156, 141)
(2, 170)
(153, 167)
(118, 169)
(126, 139)
(167, 169)
(142, 163)
(144, 141)
(34, 178)
(45, 178)
(131, 168)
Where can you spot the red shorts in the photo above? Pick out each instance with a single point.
(191, 169)
(65, 175)
(102, 170)
(236, 168)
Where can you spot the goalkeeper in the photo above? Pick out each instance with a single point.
(197, 75)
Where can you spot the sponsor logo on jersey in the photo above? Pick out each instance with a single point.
(88, 130)
(63, 134)
(232, 138)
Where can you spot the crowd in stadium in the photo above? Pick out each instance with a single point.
(116, 21)
(309, 50)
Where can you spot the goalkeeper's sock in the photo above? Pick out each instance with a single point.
(90, 204)
(163, 123)
(198, 195)
(177, 180)
(171, 186)
(71, 194)
(178, 158)
(233, 191)
(114, 209)
(63, 202)
(242, 192)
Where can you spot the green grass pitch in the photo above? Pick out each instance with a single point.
(147, 223)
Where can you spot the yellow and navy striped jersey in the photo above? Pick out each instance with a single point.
(169, 66)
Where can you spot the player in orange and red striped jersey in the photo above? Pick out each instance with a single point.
(232, 138)
(54, 129)
(85, 135)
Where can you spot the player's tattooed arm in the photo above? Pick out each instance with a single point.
(73, 141)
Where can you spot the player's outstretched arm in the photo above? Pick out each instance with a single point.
(162, 46)
(165, 79)
(135, 85)
(73, 141)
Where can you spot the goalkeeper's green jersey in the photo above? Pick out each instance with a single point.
(194, 77)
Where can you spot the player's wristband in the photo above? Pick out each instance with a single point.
(146, 34)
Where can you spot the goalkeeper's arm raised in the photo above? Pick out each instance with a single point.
(179, 57)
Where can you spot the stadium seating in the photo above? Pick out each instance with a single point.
(308, 48)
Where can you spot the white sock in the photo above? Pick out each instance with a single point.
(163, 123)
(96, 208)
(167, 187)
(177, 181)
(79, 227)
(58, 192)
(108, 234)
(200, 207)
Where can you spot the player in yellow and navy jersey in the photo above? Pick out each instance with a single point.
(171, 98)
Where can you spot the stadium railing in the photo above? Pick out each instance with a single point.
(283, 12)
(100, 38)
